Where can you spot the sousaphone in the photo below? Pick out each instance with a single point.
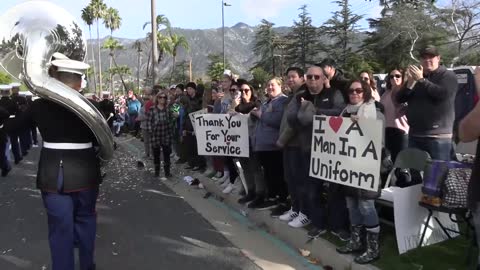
(30, 33)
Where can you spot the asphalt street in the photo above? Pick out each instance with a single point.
(142, 224)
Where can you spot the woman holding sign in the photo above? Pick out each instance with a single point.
(361, 203)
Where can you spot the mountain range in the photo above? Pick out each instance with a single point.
(239, 41)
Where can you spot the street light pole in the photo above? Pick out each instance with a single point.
(154, 41)
(223, 29)
(223, 32)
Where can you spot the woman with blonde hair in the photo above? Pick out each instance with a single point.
(269, 117)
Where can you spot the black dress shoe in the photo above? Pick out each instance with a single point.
(5, 172)
(18, 160)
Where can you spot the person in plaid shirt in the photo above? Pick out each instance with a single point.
(159, 126)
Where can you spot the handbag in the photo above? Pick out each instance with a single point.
(455, 187)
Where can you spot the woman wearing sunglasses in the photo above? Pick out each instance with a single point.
(159, 125)
(251, 166)
(367, 76)
(396, 125)
(361, 203)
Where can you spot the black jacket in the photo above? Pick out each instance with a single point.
(81, 168)
(431, 104)
(11, 124)
(338, 81)
(107, 107)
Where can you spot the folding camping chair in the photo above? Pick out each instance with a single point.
(410, 158)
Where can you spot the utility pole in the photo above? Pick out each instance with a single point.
(223, 29)
(154, 42)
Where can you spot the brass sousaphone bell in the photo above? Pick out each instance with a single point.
(30, 33)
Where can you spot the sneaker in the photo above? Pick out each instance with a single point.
(229, 188)
(225, 183)
(279, 210)
(343, 235)
(208, 172)
(289, 215)
(300, 221)
(255, 202)
(315, 233)
(265, 205)
(246, 199)
(217, 176)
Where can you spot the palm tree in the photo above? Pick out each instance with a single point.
(87, 17)
(112, 20)
(98, 11)
(163, 43)
(112, 45)
(177, 42)
(138, 47)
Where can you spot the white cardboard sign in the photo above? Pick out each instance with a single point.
(193, 114)
(410, 218)
(222, 135)
(347, 152)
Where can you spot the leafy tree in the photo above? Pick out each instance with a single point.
(163, 41)
(260, 77)
(88, 18)
(215, 67)
(265, 44)
(5, 78)
(112, 45)
(341, 29)
(178, 42)
(393, 44)
(302, 40)
(98, 9)
(462, 18)
(180, 74)
(112, 20)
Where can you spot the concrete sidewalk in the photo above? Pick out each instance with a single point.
(321, 250)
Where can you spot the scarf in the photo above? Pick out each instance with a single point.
(363, 109)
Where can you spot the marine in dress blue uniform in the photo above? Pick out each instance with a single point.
(68, 174)
(11, 124)
(23, 132)
(4, 116)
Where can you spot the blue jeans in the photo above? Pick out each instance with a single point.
(438, 148)
(71, 218)
(362, 212)
(117, 126)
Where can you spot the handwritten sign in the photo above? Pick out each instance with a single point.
(347, 152)
(222, 135)
(192, 117)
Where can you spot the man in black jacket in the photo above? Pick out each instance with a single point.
(335, 77)
(68, 174)
(430, 92)
(107, 108)
(317, 100)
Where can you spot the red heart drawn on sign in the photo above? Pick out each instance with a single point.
(335, 123)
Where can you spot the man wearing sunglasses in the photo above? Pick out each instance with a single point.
(317, 100)
(430, 92)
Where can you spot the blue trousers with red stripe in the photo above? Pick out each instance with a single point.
(71, 219)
